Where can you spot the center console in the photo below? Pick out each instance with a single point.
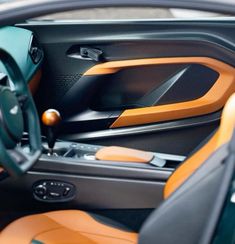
(73, 172)
(87, 153)
(96, 177)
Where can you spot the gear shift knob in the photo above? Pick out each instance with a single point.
(51, 119)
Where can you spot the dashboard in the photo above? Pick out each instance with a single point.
(25, 50)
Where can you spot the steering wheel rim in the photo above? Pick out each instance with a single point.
(16, 161)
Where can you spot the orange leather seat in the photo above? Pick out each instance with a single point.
(221, 137)
(74, 226)
(67, 227)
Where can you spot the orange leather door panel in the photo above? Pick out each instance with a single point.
(212, 101)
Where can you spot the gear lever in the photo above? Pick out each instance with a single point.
(51, 119)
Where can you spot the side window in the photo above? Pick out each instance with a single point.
(127, 13)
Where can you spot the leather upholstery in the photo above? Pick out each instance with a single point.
(122, 154)
(222, 136)
(185, 216)
(78, 227)
(67, 227)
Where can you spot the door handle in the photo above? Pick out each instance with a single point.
(94, 54)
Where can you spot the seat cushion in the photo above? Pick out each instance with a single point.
(64, 227)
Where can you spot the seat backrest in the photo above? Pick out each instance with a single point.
(222, 136)
(194, 189)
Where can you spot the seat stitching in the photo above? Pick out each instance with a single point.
(79, 230)
(82, 233)
(45, 231)
(42, 232)
(107, 236)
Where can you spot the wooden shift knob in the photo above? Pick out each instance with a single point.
(51, 117)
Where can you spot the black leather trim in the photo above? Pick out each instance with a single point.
(185, 214)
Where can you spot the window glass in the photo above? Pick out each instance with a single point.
(128, 13)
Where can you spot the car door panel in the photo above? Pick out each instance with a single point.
(212, 101)
(148, 73)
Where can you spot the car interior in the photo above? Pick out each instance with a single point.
(116, 131)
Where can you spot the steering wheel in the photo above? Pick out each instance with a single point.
(17, 114)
